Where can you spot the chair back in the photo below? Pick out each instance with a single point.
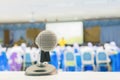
(27, 61)
(69, 58)
(102, 56)
(87, 56)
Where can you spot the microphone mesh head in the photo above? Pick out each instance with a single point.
(46, 40)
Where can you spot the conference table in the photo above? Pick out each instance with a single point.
(62, 76)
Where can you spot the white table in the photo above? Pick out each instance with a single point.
(62, 76)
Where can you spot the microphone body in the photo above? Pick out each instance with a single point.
(45, 56)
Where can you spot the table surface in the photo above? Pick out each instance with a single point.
(62, 76)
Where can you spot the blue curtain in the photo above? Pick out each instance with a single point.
(110, 33)
(110, 29)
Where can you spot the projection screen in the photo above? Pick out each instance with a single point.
(71, 31)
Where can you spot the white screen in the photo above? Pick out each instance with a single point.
(71, 31)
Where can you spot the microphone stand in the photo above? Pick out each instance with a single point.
(44, 57)
(41, 68)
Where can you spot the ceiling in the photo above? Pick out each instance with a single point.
(52, 10)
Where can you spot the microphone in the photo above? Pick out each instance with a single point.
(46, 41)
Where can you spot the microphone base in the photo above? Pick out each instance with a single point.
(41, 70)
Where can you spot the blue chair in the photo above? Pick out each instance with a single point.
(69, 61)
(27, 61)
(78, 62)
(4, 62)
(102, 60)
(62, 60)
(118, 61)
(87, 58)
(76, 47)
(115, 62)
(54, 59)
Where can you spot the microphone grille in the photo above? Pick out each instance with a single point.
(46, 40)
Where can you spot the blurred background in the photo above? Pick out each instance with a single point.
(82, 26)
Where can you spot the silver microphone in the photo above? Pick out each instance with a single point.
(46, 41)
